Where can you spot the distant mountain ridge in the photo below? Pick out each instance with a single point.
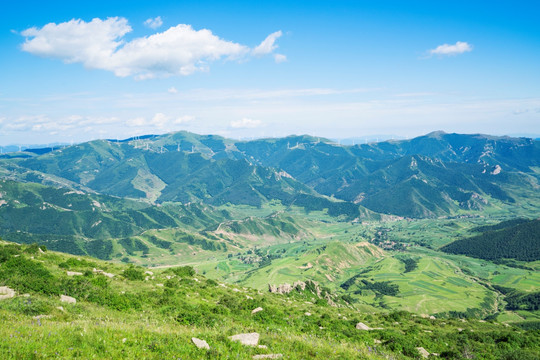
(432, 175)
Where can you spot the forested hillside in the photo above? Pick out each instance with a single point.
(519, 242)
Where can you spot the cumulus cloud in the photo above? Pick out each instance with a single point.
(136, 122)
(279, 58)
(245, 123)
(459, 47)
(172, 90)
(159, 121)
(100, 44)
(154, 23)
(184, 119)
(267, 45)
(42, 123)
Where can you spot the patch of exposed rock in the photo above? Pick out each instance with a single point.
(74, 273)
(68, 299)
(6, 292)
(423, 352)
(362, 326)
(256, 310)
(201, 344)
(97, 271)
(249, 339)
(268, 356)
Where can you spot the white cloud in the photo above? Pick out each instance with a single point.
(245, 123)
(136, 122)
(154, 23)
(267, 45)
(279, 58)
(42, 123)
(172, 90)
(100, 44)
(184, 119)
(160, 120)
(459, 47)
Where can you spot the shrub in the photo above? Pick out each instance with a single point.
(26, 275)
(184, 271)
(133, 273)
(7, 251)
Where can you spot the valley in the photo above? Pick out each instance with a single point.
(439, 226)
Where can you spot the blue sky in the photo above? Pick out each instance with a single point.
(73, 71)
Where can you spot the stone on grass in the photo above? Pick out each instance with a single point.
(256, 310)
(249, 339)
(6, 292)
(362, 326)
(307, 313)
(201, 344)
(268, 356)
(68, 299)
(262, 347)
(98, 271)
(148, 272)
(423, 352)
(74, 273)
(38, 317)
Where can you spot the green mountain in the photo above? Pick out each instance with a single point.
(87, 224)
(519, 242)
(176, 187)
(432, 175)
(165, 172)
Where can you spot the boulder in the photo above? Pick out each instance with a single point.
(201, 344)
(98, 271)
(68, 299)
(423, 352)
(362, 326)
(256, 310)
(249, 339)
(6, 292)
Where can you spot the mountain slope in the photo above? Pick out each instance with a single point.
(519, 242)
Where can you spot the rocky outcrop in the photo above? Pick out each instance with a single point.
(249, 339)
(74, 273)
(68, 299)
(201, 344)
(423, 352)
(6, 292)
(287, 288)
(97, 271)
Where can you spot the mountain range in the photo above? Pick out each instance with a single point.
(434, 175)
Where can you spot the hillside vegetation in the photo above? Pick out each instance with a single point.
(118, 311)
(519, 242)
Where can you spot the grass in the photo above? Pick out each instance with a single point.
(171, 307)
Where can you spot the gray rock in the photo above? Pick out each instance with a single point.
(256, 310)
(68, 299)
(201, 344)
(249, 339)
(6, 292)
(423, 352)
(74, 273)
(362, 326)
